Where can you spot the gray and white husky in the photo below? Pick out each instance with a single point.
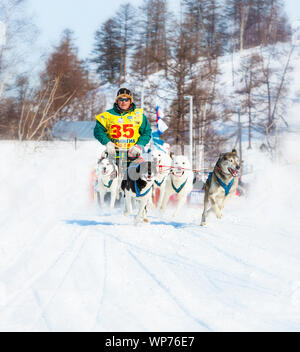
(221, 184)
(108, 175)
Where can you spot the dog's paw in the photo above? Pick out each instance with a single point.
(146, 221)
(158, 206)
(137, 222)
(203, 224)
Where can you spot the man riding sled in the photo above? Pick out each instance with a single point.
(123, 128)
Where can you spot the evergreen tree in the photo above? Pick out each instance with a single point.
(126, 19)
(207, 25)
(114, 42)
(107, 52)
(152, 49)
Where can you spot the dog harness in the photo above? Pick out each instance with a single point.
(178, 190)
(109, 183)
(113, 175)
(227, 188)
(138, 192)
(159, 183)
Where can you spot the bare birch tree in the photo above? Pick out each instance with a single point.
(38, 114)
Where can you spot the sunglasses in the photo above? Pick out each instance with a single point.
(124, 99)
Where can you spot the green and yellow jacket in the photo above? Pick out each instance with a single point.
(125, 129)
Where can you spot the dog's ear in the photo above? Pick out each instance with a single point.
(234, 151)
(104, 155)
(172, 155)
(220, 158)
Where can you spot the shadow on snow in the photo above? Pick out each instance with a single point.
(85, 223)
(88, 223)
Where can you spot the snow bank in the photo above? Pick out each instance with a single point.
(66, 265)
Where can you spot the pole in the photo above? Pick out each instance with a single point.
(240, 142)
(191, 130)
(143, 95)
(190, 97)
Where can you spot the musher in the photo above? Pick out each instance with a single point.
(124, 127)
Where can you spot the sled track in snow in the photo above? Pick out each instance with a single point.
(230, 256)
(205, 269)
(27, 285)
(102, 294)
(82, 240)
(169, 293)
(167, 260)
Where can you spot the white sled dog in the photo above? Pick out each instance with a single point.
(221, 184)
(161, 159)
(107, 179)
(138, 184)
(180, 182)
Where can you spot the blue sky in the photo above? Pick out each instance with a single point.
(85, 16)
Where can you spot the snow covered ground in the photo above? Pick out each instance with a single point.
(66, 265)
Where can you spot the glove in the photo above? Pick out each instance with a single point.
(111, 150)
(135, 151)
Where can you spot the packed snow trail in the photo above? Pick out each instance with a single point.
(66, 265)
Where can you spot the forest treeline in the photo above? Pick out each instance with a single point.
(135, 43)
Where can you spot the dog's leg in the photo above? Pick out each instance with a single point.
(161, 195)
(144, 214)
(229, 196)
(118, 191)
(180, 204)
(113, 196)
(223, 205)
(215, 207)
(128, 204)
(102, 196)
(165, 201)
(204, 214)
(153, 192)
(148, 204)
(140, 213)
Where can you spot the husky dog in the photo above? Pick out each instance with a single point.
(107, 172)
(221, 184)
(163, 162)
(180, 182)
(138, 185)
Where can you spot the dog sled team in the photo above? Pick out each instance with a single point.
(124, 171)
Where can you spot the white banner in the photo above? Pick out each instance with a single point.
(162, 126)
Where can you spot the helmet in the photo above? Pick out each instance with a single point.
(124, 93)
